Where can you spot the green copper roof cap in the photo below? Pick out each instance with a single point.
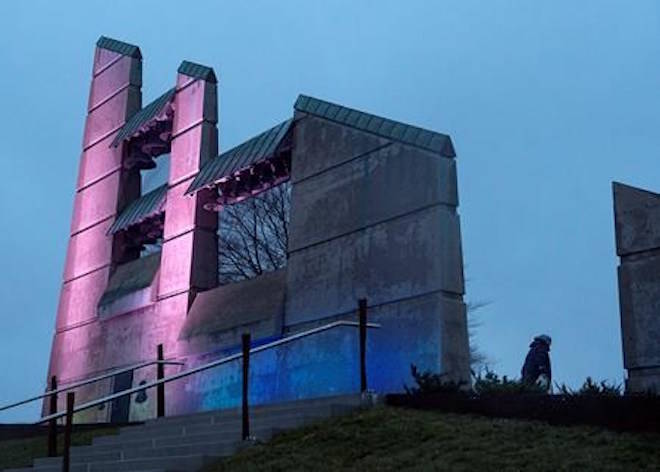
(138, 210)
(119, 46)
(388, 129)
(143, 116)
(261, 147)
(197, 71)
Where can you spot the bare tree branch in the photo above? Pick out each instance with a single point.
(253, 235)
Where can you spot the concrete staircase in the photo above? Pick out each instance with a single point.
(187, 443)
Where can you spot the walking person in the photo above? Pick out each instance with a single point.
(536, 370)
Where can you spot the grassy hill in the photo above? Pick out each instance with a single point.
(16, 453)
(399, 439)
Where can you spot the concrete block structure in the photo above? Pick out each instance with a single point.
(637, 224)
(373, 215)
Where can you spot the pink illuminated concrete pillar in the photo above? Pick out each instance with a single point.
(102, 189)
(189, 261)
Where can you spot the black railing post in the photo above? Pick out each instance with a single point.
(362, 303)
(70, 398)
(246, 371)
(52, 424)
(160, 388)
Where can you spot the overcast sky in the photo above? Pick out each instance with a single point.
(547, 102)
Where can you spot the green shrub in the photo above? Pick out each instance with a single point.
(428, 382)
(491, 384)
(593, 389)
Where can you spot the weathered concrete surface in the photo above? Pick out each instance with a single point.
(637, 219)
(219, 317)
(370, 218)
(382, 185)
(637, 223)
(408, 256)
(377, 219)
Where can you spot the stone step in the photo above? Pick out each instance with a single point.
(216, 436)
(326, 409)
(213, 448)
(348, 400)
(233, 427)
(190, 463)
(189, 442)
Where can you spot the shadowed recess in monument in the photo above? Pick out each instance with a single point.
(126, 283)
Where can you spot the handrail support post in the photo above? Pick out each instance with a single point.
(66, 459)
(52, 424)
(160, 389)
(362, 305)
(246, 370)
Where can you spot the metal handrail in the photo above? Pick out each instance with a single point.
(89, 381)
(203, 367)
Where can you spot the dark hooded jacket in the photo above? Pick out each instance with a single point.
(537, 362)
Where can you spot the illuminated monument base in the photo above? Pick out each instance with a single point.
(373, 215)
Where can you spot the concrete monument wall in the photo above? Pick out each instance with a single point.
(637, 222)
(375, 218)
(373, 215)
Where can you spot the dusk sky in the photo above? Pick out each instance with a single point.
(547, 103)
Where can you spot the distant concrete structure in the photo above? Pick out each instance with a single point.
(637, 221)
(373, 215)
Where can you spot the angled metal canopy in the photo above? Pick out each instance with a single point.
(386, 128)
(257, 149)
(137, 211)
(143, 117)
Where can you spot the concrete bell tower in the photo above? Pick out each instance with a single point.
(102, 189)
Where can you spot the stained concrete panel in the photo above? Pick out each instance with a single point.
(637, 219)
(88, 250)
(191, 150)
(76, 352)
(639, 297)
(79, 298)
(401, 258)
(96, 202)
(176, 265)
(429, 331)
(103, 58)
(195, 102)
(98, 161)
(111, 115)
(379, 186)
(123, 72)
(185, 212)
(320, 144)
(241, 303)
